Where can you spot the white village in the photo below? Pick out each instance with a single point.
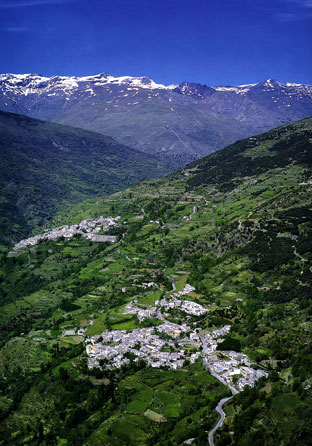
(91, 229)
(172, 345)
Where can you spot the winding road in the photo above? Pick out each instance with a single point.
(220, 422)
(219, 407)
(223, 400)
(173, 287)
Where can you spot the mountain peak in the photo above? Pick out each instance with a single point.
(200, 91)
(271, 83)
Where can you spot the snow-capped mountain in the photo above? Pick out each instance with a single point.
(183, 121)
(27, 84)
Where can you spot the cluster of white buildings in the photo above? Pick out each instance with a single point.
(232, 368)
(143, 343)
(142, 314)
(173, 330)
(237, 365)
(166, 345)
(88, 229)
(186, 306)
(154, 346)
(146, 285)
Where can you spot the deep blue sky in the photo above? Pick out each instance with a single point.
(207, 41)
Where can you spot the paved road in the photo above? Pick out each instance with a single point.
(220, 422)
(232, 389)
(173, 287)
(221, 402)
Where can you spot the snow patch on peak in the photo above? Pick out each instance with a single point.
(141, 82)
(271, 83)
(292, 84)
(72, 82)
(19, 78)
(235, 89)
(246, 85)
(23, 83)
(239, 89)
(65, 82)
(300, 87)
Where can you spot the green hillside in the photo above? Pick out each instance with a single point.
(235, 225)
(47, 167)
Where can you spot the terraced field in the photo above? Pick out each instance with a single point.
(246, 250)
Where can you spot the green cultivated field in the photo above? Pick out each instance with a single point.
(246, 250)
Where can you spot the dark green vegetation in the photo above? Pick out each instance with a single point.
(247, 251)
(48, 167)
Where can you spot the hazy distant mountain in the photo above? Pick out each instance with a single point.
(182, 122)
(46, 167)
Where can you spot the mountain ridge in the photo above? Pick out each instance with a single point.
(181, 122)
(139, 81)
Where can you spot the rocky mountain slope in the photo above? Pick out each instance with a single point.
(47, 167)
(209, 276)
(183, 122)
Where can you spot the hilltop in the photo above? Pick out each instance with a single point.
(203, 290)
